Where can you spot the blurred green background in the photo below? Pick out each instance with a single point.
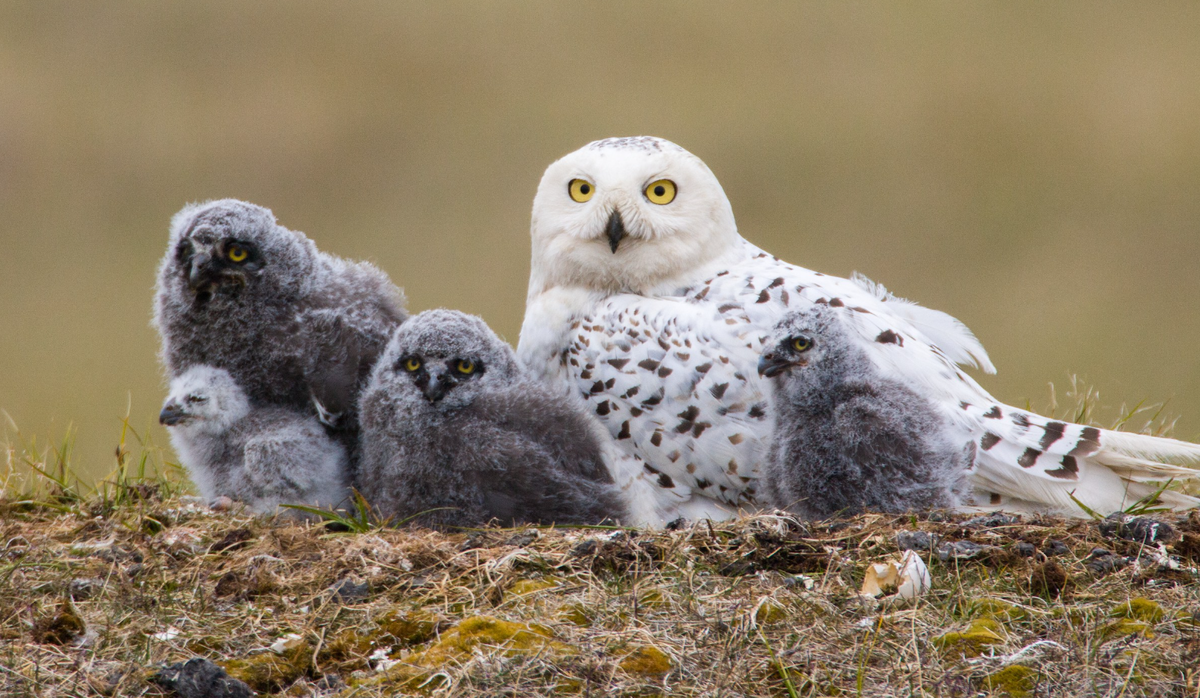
(1032, 168)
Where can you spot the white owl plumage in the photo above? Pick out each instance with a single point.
(655, 314)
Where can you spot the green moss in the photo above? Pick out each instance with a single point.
(653, 599)
(1140, 609)
(1124, 627)
(409, 628)
(461, 641)
(1016, 681)
(269, 672)
(770, 612)
(646, 661)
(981, 634)
(996, 609)
(576, 614)
(523, 587)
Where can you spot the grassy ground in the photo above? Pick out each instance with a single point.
(102, 586)
(95, 593)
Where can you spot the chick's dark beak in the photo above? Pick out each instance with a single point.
(772, 364)
(198, 271)
(171, 415)
(437, 386)
(616, 230)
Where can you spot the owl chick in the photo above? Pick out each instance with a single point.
(294, 326)
(453, 427)
(847, 438)
(262, 456)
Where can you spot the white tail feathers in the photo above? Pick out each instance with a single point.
(1053, 464)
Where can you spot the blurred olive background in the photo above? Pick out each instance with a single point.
(1031, 168)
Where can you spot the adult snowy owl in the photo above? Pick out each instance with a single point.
(645, 301)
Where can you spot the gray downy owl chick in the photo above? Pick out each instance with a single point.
(847, 439)
(262, 456)
(450, 422)
(294, 326)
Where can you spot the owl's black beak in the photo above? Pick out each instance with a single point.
(437, 386)
(171, 415)
(616, 230)
(771, 364)
(198, 275)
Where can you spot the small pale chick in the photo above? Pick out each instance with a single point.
(296, 327)
(846, 438)
(261, 456)
(454, 433)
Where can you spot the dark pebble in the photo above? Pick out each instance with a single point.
(200, 678)
(992, 520)
(1139, 529)
(1101, 562)
(347, 590)
(1054, 548)
(1026, 549)
(915, 540)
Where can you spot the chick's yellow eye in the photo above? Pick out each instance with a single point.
(237, 253)
(661, 192)
(581, 190)
(801, 343)
(412, 365)
(465, 366)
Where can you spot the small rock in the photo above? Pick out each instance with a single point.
(991, 520)
(920, 541)
(1102, 562)
(677, 524)
(960, 550)
(1139, 529)
(349, 590)
(1054, 548)
(233, 540)
(522, 539)
(84, 588)
(1025, 549)
(200, 678)
(585, 548)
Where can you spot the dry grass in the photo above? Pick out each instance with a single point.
(94, 595)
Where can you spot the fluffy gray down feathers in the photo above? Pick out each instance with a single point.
(262, 456)
(294, 326)
(462, 449)
(847, 439)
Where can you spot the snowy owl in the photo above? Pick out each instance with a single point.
(294, 326)
(847, 439)
(262, 456)
(452, 426)
(645, 302)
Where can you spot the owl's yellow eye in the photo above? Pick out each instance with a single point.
(661, 192)
(237, 253)
(581, 190)
(801, 343)
(465, 366)
(413, 364)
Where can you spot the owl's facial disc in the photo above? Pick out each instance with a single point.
(790, 353)
(437, 376)
(180, 412)
(221, 265)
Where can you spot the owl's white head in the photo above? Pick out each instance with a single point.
(628, 215)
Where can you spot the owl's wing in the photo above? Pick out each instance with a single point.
(676, 387)
(675, 380)
(343, 344)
